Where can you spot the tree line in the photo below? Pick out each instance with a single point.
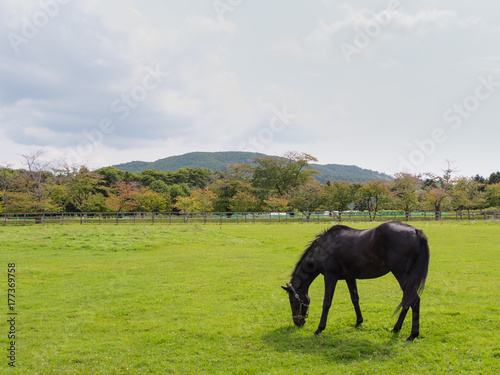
(274, 184)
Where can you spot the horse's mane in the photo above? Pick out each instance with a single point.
(312, 246)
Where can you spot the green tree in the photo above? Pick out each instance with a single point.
(178, 190)
(244, 201)
(339, 195)
(494, 178)
(159, 186)
(405, 192)
(147, 200)
(307, 198)
(200, 200)
(374, 196)
(114, 175)
(83, 190)
(274, 204)
(493, 195)
(37, 182)
(150, 176)
(281, 175)
(20, 202)
(226, 184)
(198, 178)
(467, 195)
(5, 175)
(122, 198)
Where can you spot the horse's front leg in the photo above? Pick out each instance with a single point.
(330, 283)
(353, 291)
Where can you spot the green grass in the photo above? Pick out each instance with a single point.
(207, 300)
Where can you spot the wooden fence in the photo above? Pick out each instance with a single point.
(171, 218)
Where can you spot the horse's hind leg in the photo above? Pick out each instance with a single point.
(353, 291)
(415, 325)
(401, 319)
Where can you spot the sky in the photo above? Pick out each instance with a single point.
(392, 86)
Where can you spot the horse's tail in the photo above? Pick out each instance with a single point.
(415, 283)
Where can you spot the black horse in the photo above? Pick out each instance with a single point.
(343, 253)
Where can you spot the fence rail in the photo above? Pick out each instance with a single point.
(220, 218)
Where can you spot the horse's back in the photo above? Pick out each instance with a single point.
(374, 252)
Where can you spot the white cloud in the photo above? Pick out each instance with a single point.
(289, 46)
(389, 64)
(426, 20)
(206, 24)
(308, 73)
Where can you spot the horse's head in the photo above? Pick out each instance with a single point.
(299, 305)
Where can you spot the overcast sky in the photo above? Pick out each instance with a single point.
(386, 85)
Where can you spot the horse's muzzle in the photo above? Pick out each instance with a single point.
(299, 322)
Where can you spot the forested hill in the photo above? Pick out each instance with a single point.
(218, 161)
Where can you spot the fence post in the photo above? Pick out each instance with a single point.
(152, 218)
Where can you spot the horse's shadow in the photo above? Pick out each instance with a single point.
(347, 347)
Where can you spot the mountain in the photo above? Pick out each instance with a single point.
(218, 161)
(215, 161)
(351, 173)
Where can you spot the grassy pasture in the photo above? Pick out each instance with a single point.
(207, 300)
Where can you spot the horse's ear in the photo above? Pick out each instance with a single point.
(285, 288)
